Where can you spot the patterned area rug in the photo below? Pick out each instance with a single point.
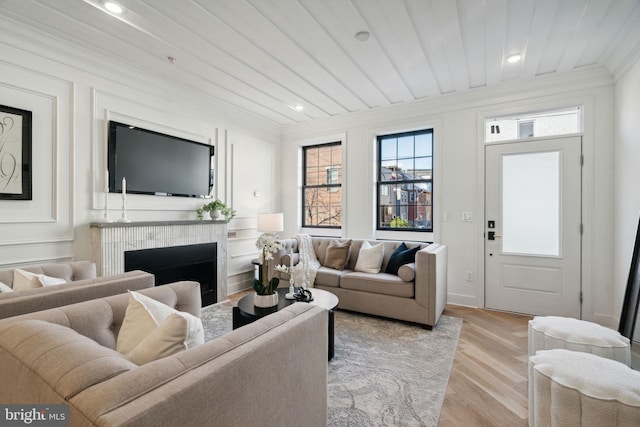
(384, 372)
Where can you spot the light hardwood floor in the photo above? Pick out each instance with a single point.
(488, 382)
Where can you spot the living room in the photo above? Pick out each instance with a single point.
(75, 89)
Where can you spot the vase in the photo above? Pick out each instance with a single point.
(215, 214)
(206, 215)
(265, 301)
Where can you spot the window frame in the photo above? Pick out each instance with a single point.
(330, 187)
(380, 184)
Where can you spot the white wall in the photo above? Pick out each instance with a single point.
(72, 99)
(458, 123)
(627, 178)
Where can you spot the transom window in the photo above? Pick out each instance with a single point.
(322, 186)
(533, 125)
(405, 181)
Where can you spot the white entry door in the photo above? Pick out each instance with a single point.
(533, 226)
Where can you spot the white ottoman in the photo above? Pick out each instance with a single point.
(549, 332)
(569, 388)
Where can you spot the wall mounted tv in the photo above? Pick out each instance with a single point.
(158, 164)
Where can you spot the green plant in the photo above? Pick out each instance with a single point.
(398, 222)
(268, 245)
(216, 205)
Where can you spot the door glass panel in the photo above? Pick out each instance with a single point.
(531, 203)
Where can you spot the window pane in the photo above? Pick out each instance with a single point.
(531, 203)
(424, 145)
(405, 147)
(539, 124)
(388, 148)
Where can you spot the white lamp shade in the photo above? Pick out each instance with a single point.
(270, 222)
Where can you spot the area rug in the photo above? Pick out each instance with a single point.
(384, 372)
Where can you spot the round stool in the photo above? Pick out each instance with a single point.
(569, 388)
(549, 332)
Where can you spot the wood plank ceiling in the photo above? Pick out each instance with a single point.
(267, 56)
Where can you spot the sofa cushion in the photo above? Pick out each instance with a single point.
(402, 255)
(407, 272)
(370, 258)
(143, 315)
(329, 277)
(381, 283)
(5, 288)
(337, 254)
(23, 280)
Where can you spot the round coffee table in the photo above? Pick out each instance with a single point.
(246, 312)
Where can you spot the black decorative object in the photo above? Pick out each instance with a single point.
(15, 153)
(632, 294)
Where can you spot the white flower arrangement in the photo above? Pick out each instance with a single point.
(268, 245)
(282, 268)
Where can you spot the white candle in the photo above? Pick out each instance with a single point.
(124, 187)
(106, 180)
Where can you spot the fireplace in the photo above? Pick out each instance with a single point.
(174, 263)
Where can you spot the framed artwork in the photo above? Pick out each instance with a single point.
(15, 153)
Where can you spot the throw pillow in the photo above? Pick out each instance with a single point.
(402, 255)
(407, 272)
(370, 258)
(166, 339)
(337, 254)
(5, 288)
(23, 280)
(144, 315)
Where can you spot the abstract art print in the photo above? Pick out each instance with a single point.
(15, 153)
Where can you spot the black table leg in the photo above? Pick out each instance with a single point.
(331, 340)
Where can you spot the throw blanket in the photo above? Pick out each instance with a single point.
(308, 264)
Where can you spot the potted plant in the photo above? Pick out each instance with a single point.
(215, 209)
(266, 295)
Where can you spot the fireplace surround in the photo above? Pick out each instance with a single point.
(110, 242)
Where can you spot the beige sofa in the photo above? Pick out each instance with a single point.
(82, 285)
(272, 372)
(420, 299)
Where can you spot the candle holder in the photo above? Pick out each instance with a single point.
(105, 216)
(292, 289)
(124, 211)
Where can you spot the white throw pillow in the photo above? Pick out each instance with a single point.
(5, 288)
(166, 339)
(143, 316)
(370, 258)
(23, 280)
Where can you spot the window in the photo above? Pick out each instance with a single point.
(322, 186)
(405, 181)
(538, 124)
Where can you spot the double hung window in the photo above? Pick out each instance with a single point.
(322, 186)
(405, 181)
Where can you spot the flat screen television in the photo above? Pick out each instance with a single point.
(158, 164)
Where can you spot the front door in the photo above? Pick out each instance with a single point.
(533, 226)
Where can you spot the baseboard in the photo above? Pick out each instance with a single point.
(464, 300)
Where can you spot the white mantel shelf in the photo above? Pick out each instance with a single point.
(110, 240)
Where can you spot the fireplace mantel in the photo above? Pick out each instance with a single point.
(110, 240)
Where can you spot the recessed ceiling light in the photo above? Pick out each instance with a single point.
(297, 107)
(362, 36)
(512, 59)
(113, 7)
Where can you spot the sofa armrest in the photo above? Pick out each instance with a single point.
(282, 257)
(42, 358)
(431, 280)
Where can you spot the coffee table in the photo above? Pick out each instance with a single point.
(246, 312)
